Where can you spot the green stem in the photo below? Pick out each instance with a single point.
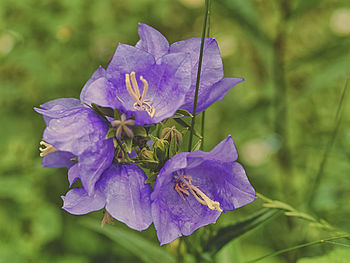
(203, 113)
(202, 130)
(320, 172)
(198, 74)
(298, 246)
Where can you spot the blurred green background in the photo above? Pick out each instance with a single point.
(295, 58)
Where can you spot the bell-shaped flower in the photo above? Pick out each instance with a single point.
(138, 84)
(122, 191)
(75, 131)
(194, 188)
(213, 86)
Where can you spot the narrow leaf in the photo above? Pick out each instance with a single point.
(231, 232)
(182, 113)
(105, 111)
(132, 242)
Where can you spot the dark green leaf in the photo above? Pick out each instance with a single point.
(182, 113)
(116, 114)
(231, 232)
(105, 111)
(173, 147)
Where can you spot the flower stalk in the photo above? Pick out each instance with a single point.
(198, 74)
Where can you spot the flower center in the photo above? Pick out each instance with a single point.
(48, 149)
(134, 91)
(185, 186)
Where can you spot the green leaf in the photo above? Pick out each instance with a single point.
(132, 242)
(336, 256)
(300, 215)
(151, 179)
(128, 144)
(279, 205)
(197, 146)
(139, 131)
(173, 147)
(105, 111)
(182, 113)
(110, 133)
(186, 125)
(116, 114)
(231, 232)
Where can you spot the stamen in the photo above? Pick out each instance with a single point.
(134, 83)
(185, 184)
(134, 91)
(48, 149)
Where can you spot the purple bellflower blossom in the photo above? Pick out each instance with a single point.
(212, 86)
(194, 188)
(137, 84)
(122, 191)
(74, 130)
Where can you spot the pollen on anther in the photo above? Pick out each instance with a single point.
(48, 149)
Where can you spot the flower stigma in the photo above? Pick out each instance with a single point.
(184, 186)
(134, 91)
(48, 149)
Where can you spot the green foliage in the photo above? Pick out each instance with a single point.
(336, 256)
(147, 251)
(49, 49)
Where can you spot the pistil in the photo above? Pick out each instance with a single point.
(185, 186)
(134, 91)
(48, 149)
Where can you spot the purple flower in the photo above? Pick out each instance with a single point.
(138, 84)
(122, 191)
(193, 188)
(75, 131)
(212, 86)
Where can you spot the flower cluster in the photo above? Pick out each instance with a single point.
(122, 141)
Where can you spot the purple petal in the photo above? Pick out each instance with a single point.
(227, 184)
(94, 161)
(213, 94)
(99, 90)
(127, 195)
(58, 108)
(58, 159)
(127, 59)
(65, 103)
(78, 202)
(214, 173)
(77, 132)
(152, 41)
(225, 151)
(173, 216)
(169, 79)
(73, 174)
(212, 72)
(83, 134)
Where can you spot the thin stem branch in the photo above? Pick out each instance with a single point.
(198, 74)
(321, 241)
(328, 149)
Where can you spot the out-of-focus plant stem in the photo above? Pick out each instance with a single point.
(280, 84)
(328, 149)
